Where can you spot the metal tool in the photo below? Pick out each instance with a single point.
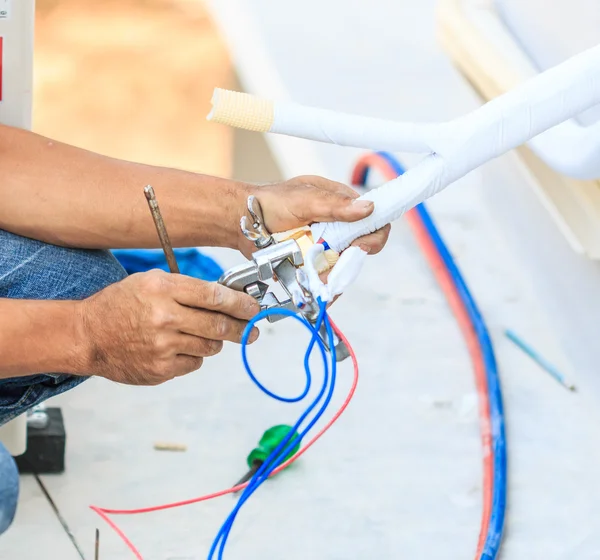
(97, 545)
(258, 234)
(161, 229)
(281, 262)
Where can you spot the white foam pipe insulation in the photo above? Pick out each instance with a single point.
(549, 99)
(16, 85)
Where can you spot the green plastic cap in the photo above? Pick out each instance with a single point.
(269, 441)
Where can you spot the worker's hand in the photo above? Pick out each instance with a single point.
(154, 326)
(305, 200)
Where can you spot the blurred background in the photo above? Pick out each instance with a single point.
(132, 79)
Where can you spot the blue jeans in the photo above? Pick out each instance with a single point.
(31, 269)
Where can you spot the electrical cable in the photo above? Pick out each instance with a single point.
(105, 513)
(480, 348)
(284, 448)
(390, 167)
(314, 338)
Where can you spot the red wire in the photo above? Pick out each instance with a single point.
(460, 312)
(445, 281)
(105, 512)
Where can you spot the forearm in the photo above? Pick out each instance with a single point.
(67, 196)
(41, 337)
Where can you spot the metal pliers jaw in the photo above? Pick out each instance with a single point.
(281, 262)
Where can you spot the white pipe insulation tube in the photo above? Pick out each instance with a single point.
(16, 80)
(456, 147)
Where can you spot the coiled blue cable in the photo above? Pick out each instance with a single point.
(289, 442)
(497, 518)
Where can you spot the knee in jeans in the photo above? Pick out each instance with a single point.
(31, 269)
(9, 489)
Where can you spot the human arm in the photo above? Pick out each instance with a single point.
(39, 337)
(67, 196)
(143, 330)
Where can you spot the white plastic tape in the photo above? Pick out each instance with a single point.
(345, 271)
(391, 201)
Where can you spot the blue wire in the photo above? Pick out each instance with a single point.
(497, 517)
(260, 478)
(285, 446)
(496, 522)
(287, 313)
(278, 454)
(275, 454)
(226, 527)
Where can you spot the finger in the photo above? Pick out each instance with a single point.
(215, 297)
(213, 325)
(320, 205)
(197, 346)
(374, 242)
(186, 364)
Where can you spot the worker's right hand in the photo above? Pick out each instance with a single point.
(154, 326)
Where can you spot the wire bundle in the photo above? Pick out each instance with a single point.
(273, 464)
(480, 348)
(289, 442)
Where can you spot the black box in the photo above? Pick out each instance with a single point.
(45, 447)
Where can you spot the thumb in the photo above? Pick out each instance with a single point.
(334, 207)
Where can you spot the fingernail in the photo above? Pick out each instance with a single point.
(362, 204)
(253, 335)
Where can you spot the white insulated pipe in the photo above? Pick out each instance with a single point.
(16, 95)
(455, 148)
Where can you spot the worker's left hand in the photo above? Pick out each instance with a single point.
(305, 200)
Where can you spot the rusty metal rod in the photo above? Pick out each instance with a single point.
(161, 229)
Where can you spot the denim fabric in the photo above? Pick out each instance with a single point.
(34, 270)
(31, 269)
(190, 260)
(9, 489)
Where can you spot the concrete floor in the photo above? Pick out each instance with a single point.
(399, 476)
